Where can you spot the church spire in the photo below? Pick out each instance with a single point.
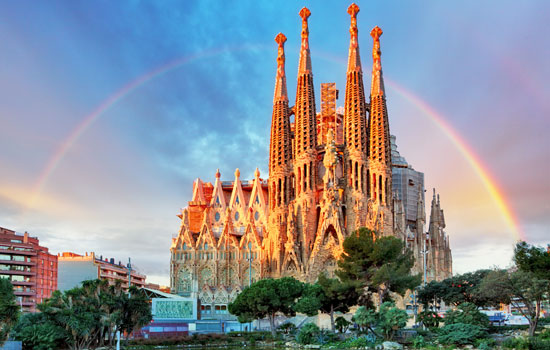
(379, 138)
(305, 57)
(280, 148)
(377, 87)
(280, 80)
(304, 108)
(355, 117)
(354, 60)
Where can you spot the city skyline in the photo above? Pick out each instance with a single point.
(103, 159)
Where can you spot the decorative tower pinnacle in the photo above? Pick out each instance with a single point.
(305, 57)
(280, 80)
(354, 60)
(379, 140)
(280, 149)
(306, 124)
(377, 87)
(355, 122)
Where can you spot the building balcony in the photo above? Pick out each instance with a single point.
(18, 273)
(30, 293)
(23, 283)
(18, 252)
(14, 262)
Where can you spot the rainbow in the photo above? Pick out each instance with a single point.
(465, 150)
(88, 120)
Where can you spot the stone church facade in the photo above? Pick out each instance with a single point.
(329, 174)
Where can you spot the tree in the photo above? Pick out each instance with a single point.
(136, 311)
(432, 293)
(266, 298)
(456, 290)
(328, 295)
(342, 324)
(90, 313)
(524, 290)
(379, 265)
(36, 332)
(9, 311)
(467, 313)
(464, 289)
(388, 319)
(533, 259)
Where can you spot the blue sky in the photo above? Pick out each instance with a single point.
(482, 65)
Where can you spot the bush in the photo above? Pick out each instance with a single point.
(429, 319)
(362, 342)
(389, 319)
(467, 313)
(485, 344)
(342, 324)
(36, 332)
(287, 328)
(308, 334)
(418, 342)
(461, 334)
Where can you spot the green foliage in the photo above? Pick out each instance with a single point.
(364, 318)
(461, 334)
(485, 344)
(430, 319)
(526, 343)
(308, 334)
(362, 342)
(135, 310)
(287, 328)
(381, 265)
(9, 310)
(388, 319)
(310, 301)
(84, 316)
(342, 324)
(267, 297)
(328, 295)
(523, 289)
(419, 342)
(533, 259)
(36, 332)
(467, 313)
(457, 290)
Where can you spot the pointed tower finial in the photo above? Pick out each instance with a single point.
(280, 80)
(237, 173)
(377, 87)
(218, 173)
(257, 173)
(354, 60)
(305, 58)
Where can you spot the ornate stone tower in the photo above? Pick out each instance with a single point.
(379, 150)
(305, 142)
(329, 174)
(280, 164)
(355, 132)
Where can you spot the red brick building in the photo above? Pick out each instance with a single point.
(30, 268)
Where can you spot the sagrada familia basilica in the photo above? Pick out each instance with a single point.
(329, 174)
